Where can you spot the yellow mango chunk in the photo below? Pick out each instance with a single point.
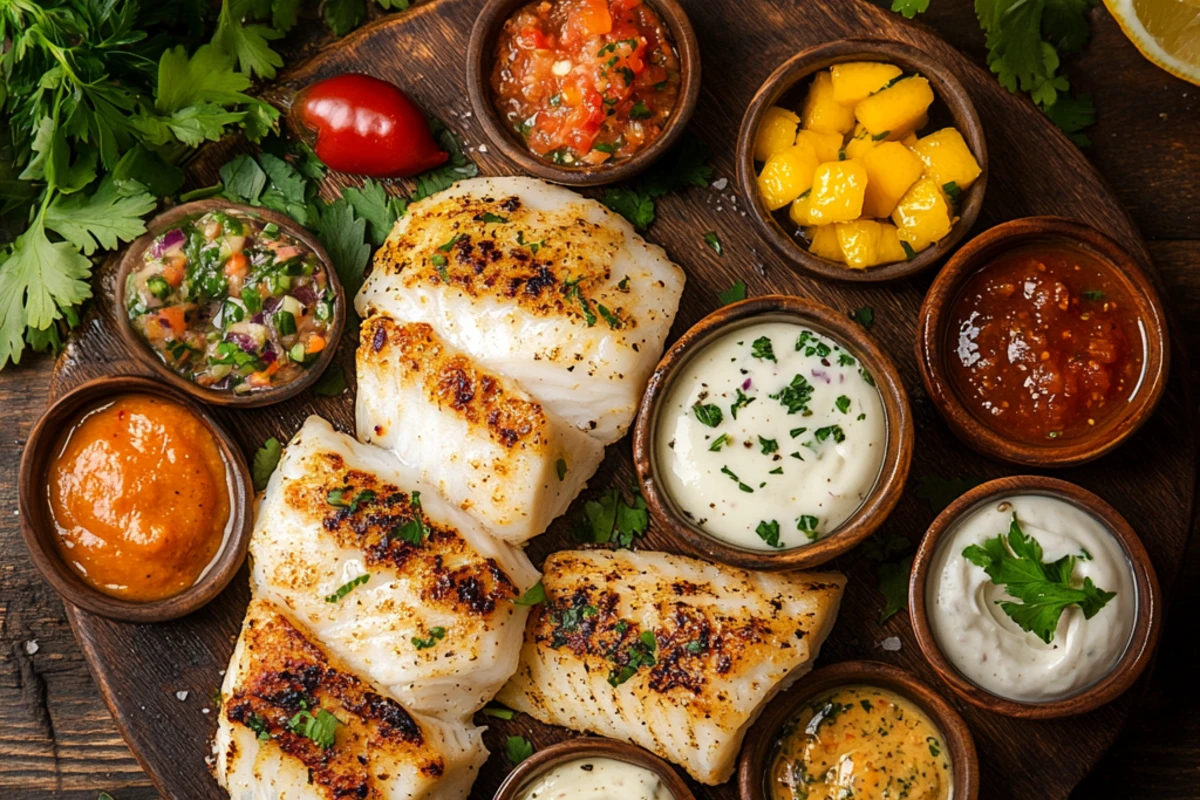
(854, 81)
(827, 145)
(821, 112)
(860, 143)
(947, 158)
(891, 169)
(799, 210)
(909, 140)
(837, 192)
(923, 215)
(859, 242)
(776, 132)
(897, 109)
(787, 175)
(823, 242)
(890, 249)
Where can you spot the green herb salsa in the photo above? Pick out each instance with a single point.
(232, 302)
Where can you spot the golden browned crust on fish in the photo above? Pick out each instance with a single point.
(482, 246)
(451, 380)
(286, 677)
(360, 511)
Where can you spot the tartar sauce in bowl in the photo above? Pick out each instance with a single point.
(976, 619)
(596, 779)
(772, 435)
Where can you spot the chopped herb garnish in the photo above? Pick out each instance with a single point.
(768, 445)
(435, 636)
(718, 443)
(560, 467)
(348, 587)
(640, 111)
(845, 360)
(796, 395)
(842, 403)
(807, 524)
(708, 413)
(445, 248)
(864, 316)
(769, 532)
(320, 728)
(952, 191)
(489, 217)
(733, 294)
(640, 654)
(909, 252)
(499, 712)
(776, 471)
(518, 748)
(713, 241)
(571, 289)
(611, 520)
(742, 401)
(266, 458)
(879, 137)
(533, 595)
(761, 348)
(414, 530)
(834, 432)
(609, 317)
(605, 147)
(935, 747)
(794, 432)
(737, 480)
(1093, 294)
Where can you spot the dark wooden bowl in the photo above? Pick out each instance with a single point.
(946, 88)
(590, 747)
(762, 738)
(132, 258)
(1146, 626)
(932, 350)
(481, 49)
(38, 526)
(897, 454)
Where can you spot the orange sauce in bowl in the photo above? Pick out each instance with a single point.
(140, 496)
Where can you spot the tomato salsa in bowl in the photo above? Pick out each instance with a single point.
(235, 305)
(1042, 342)
(583, 92)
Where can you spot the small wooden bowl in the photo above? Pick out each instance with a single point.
(897, 454)
(762, 738)
(481, 49)
(946, 88)
(132, 259)
(1145, 630)
(38, 526)
(590, 747)
(933, 352)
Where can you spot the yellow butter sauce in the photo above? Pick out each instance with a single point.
(860, 742)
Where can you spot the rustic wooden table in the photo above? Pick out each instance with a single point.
(57, 739)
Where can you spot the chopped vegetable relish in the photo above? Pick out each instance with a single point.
(231, 302)
(585, 82)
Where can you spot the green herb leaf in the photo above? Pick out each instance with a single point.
(321, 728)
(742, 401)
(893, 584)
(807, 524)
(436, 634)
(796, 395)
(708, 414)
(332, 383)
(769, 532)
(733, 294)
(376, 206)
(518, 748)
(499, 712)
(834, 432)
(768, 445)
(414, 530)
(534, 595)
(718, 443)
(744, 487)
(344, 239)
(265, 461)
(910, 8)
(560, 467)
(684, 165)
(610, 519)
(864, 316)
(348, 587)
(714, 242)
(941, 492)
(1094, 295)
(761, 348)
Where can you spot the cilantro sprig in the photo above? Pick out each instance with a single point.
(1042, 591)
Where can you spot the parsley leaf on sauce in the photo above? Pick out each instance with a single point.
(708, 413)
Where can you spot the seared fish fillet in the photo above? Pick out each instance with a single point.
(670, 653)
(537, 283)
(477, 436)
(434, 623)
(278, 692)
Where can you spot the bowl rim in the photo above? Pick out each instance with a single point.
(596, 747)
(956, 735)
(480, 46)
(893, 471)
(37, 529)
(1142, 640)
(936, 311)
(947, 88)
(141, 351)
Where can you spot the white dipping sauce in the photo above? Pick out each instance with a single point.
(986, 646)
(784, 470)
(596, 779)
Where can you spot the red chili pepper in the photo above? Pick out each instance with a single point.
(365, 126)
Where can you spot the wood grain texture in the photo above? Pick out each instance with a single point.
(57, 738)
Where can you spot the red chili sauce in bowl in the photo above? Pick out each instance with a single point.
(1045, 343)
(586, 82)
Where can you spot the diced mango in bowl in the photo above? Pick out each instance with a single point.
(860, 182)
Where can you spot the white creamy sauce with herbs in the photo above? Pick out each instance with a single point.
(771, 449)
(596, 779)
(984, 644)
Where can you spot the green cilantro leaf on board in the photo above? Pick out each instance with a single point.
(102, 220)
(343, 16)
(247, 43)
(865, 316)
(518, 748)
(332, 383)
(265, 460)
(374, 205)
(498, 711)
(941, 492)
(344, 238)
(456, 168)
(712, 240)
(320, 727)
(610, 519)
(684, 165)
(893, 584)
(910, 8)
(244, 179)
(533, 595)
(733, 294)
(1042, 591)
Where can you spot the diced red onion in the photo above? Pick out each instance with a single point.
(270, 304)
(268, 355)
(305, 295)
(257, 319)
(243, 341)
(745, 384)
(820, 373)
(166, 242)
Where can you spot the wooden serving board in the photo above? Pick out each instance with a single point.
(1034, 170)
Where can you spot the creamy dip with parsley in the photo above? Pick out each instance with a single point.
(771, 437)
(596, 779)
(986, 644)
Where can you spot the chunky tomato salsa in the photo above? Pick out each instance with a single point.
(586, 82)
(232, 302)
(1045, 343)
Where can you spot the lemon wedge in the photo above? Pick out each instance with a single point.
(1167, 32)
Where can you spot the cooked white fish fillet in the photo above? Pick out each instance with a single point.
(537, 283)
(273, 727)
(434, 623)
(476, 435)
(670, 653)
